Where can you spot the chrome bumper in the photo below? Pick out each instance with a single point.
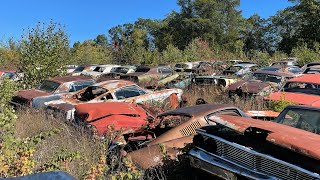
(218, 166)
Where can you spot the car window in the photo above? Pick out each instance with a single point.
(308, 120)
(259, 76)
(273, 78)
(301, 87)
(128, 92)
(165, 70)
(48, 86)
(79, 69)
(91, 92)
(76, 86)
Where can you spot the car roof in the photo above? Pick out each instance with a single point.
(307, 78)
(114, 84)
(282, 74)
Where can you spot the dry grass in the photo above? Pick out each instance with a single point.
(31, 122)
(218, 95)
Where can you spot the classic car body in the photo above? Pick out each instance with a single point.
(114, 90)
(51, 89)
(213, 80)
(154, 74)
(240, 70)
(261, 83)
(104, 117)
(234, 147)
(194, 67)
(294, 70)
(285, 62)
(83, 68)
(303, 90)
(70, 68)
(175, 129)
(100, 69)
(11, 74)
(116, 72)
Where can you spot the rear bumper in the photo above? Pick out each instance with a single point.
(221, 167)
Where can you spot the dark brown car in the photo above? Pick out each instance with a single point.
(261, 83)
(175, 129)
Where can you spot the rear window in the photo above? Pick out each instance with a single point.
(48, 86)
(79, 69)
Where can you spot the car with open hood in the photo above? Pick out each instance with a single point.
(235, 147)
(261, 83)
(114, 90)
(303, 90)
(51, 89)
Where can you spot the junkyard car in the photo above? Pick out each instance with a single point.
(101, 118)
(240, 70)
(214, 80)
(153, 74)
(116, 72)
(174, 130)
(114, 90)
(235, 147)
(100, 69)
(261, 83)
(285, 63)
(303, 90)
(83, 68)
(51, 89)
(10, 74)
(294, 70)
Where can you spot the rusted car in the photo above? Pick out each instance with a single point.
(102, 118)
(294, 70)
(116, 72)
(261, 83)
(285, 62)
(213, 80)
(240, 70)
(194, 67)
(236, 147)
(114, 90)
(303, 90)
(153, 74)
(100, 69)
(10, 74)
(83, 68)
(51, 89)
(174, 130)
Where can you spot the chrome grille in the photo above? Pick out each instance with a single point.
(259, 162)
(190, 129)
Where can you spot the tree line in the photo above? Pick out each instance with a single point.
(201, 30)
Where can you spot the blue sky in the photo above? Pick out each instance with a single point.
(86, 19)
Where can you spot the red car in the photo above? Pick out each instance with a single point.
(104, 116)
(303, 90)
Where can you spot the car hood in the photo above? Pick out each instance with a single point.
(98, 110)
(32, 93)
(296, 98)
(295, 139)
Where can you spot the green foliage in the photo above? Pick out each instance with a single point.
(89, 52)
(198, 50)
(9, 55)
(306, 55)
(44, 52)
(172, 55)
(278, 106)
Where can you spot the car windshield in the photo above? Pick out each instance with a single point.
(302, 87)
(79, 69)
(271, 69)
(9, 75)
(48, 86)
(129, 91)
(235, 68)
(91, 92)
(305, 119)
(266, 77)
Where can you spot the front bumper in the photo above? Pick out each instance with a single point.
(218, 166)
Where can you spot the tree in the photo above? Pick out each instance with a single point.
(101, 40)
(44, 51)
(89, 52)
